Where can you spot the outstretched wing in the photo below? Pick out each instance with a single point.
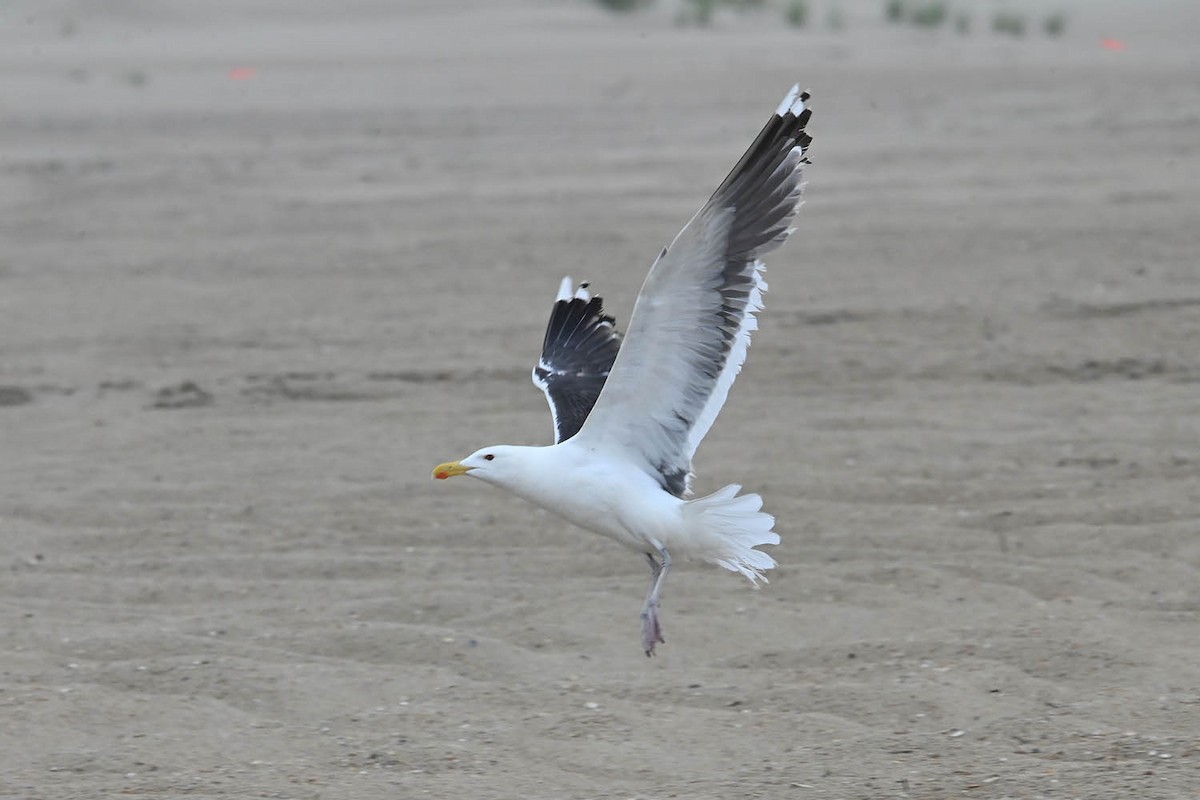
(579, 349)
(692, 321)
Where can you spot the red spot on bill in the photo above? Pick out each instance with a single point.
(1116, 45)
(241, 73)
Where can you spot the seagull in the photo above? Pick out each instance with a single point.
(629, 411)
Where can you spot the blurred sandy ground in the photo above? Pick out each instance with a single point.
(263, 263)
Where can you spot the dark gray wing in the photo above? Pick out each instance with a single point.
(579, 349)
(691, 325)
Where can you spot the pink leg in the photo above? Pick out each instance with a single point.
(651, 628)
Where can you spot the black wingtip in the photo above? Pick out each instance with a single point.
(579, 349)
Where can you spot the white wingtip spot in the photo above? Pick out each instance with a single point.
(567, 290)
(791, 103)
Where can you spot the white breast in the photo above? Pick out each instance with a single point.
(600, 494)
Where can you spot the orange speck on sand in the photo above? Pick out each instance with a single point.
(1112, 44)
(241, 73)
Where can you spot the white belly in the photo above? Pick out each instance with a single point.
(606, 497)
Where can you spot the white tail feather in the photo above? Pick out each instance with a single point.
(724, 529)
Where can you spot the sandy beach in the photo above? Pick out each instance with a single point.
(263, 264)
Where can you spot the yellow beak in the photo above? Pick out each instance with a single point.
(450, 469)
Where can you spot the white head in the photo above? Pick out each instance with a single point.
(501, 465)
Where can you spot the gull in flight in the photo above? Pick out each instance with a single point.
(629, 411)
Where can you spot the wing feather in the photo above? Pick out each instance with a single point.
(578, 351)
(692, 321)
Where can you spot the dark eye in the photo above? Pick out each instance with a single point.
(489, 457)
